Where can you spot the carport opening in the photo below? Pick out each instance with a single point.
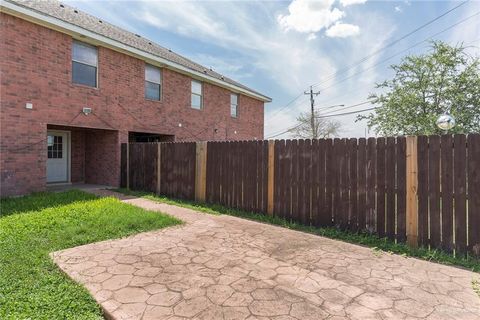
(149, 137)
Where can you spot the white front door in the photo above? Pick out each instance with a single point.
(57, 156)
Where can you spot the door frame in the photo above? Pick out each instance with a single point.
(69, 153)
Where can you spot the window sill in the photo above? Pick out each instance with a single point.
(153, 100)
(84, 86)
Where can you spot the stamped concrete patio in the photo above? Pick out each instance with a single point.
(222, 267)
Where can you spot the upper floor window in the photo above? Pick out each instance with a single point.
(153, 82)
(234, 105)
(197, 100)
(84, 64)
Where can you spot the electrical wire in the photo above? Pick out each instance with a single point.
(284, 107)
(276, 134)
(345, 69)
(405, 50)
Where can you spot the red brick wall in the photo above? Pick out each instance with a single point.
(36, 67)
(77, 155)
(101, 156)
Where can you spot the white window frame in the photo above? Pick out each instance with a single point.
(234, 104)
(159, 83)
(196, 94)
(84, 63)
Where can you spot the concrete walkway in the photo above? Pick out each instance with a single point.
(222, 267)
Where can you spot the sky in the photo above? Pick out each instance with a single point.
(281, 48)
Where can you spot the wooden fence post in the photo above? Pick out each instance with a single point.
(271, 180)
(412, 187)
(128, 165)
(201, 171)
(159, 168)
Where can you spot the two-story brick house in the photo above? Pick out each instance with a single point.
(74, 87)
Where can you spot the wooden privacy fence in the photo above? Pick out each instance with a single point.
(423, 190)
(162, 168)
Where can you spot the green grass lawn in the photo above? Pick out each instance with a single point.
(31, 286)
(380, 245)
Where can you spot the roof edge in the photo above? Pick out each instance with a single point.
(73, 30)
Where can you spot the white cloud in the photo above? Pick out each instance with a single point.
(308, 16)
(347, 3)
(251, 43)
(311, 36)
(342, 30)
(398, 9)
(284, 57)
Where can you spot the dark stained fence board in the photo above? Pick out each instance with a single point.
(287, 176)
(446, 163)
(177, 169)
(123, 165)
(322, 211)
(362, 183)
(390, 168)
(253, 175)
(151, 167)
(434, 190)
(353, 180)
(380, 181)
(459, 169)
(329, 182)
(265, 176)
(296, 178)
(370, 219)
(236, 174)
(422, 154)
(302, 190)
(314, 182)
(344, 196)
(336, 170)
(279, 162)
(258, 182)
(473, 141)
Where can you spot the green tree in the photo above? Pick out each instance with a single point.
(446, 79)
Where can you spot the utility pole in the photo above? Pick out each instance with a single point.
(312, 104)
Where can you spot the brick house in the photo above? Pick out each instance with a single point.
(73, 88)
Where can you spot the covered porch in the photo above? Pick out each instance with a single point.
(82, 156)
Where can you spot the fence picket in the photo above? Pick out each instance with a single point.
(434, 190)
(459, 183)
(422, 143)
(390, 212)
(380, 181)
(473, 142)
(353, 184)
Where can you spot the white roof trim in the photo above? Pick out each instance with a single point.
(69, 28)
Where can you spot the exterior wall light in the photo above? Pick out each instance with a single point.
(86, 111)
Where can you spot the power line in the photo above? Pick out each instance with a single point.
(405, 50)
(352, 106)
(284, 107)
(346, 113)
(343, 70)
(327, 116)
(392, 56)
